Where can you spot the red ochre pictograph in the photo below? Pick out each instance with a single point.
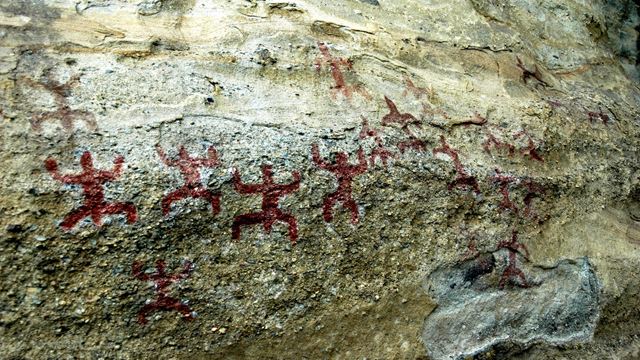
(600, 115)
(417, 91)
(64, 114)
(189, 167)
(379, 151)
(403, 120)
(531, 149)
(504, 181)
(534, 190)
(344, 173)
(338, 76)
(271, 194)
(493, 141)
(462, 180)
(91, 180)
(512, 273)
(162, 281)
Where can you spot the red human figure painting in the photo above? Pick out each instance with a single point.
(91, 180)
(63, 113)
(600, 115)
(531, 149)
(504, 181)
(534, 190)
(403, 120)
(189, 167)
(345, 173)
(162, 281)
(335, 64)
(271, 212)
(462, 180)
(512, 273)
(493, 142)
(379, 151)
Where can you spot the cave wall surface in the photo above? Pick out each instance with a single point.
(286, 179)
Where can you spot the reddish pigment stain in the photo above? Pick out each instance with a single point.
(503, 182)
(600, 115)
(528, 74)
(476, 119)
(271, 194)
(534, 190)
(415, 90)
(64, 114)
(91, 180)
(403, 120)
(335, 64)
(462, 180)
(379, 151)
(189, 167)
(492, 141)
(531, 149)
(344, 173)
(512, 273)
(162, 281)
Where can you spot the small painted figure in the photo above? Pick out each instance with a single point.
(271, 212)
(344, 173)
(91, 180)
(161, 281)
(189, 167)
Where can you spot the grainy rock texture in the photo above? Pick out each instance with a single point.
(319, 179)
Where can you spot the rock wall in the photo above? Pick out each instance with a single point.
(319, 179)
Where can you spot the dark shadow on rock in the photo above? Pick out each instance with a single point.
(559, 305)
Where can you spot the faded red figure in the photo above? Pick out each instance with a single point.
(64, 114)
(404, 120)
(271, 194)
(512, 272)
(493, 141)
(417, 91)
(190, 169)
(379, 151)
(600, 115)
(92, 180)
(504, 181)
(531, 149)
(338, 76)
(344, 173)
(162, 281)
(462, 180)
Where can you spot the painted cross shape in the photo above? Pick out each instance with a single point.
(271, 212)
(64, 114)
(462, 180)
(403, 120)
(512, 272)
(344, 173)
(162, 281)
(91, 180)
(189, 167)
(379, 151)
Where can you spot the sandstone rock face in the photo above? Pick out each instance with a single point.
(319, 179)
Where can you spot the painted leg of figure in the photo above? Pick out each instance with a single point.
(212, 198)
(183, 309)
(353, 207)
(327, 206)
(172, 197)
(245, 219)
(121, 208)
(146, 310)
(293, 226)
(75, 216)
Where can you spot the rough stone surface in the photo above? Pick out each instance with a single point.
(473, 315)
(407, 140)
